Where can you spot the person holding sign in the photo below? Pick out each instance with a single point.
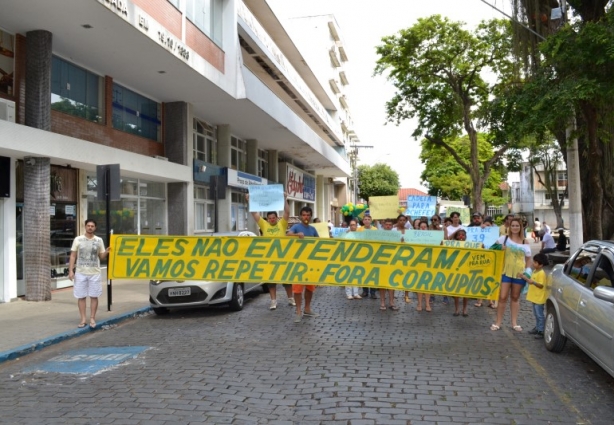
(456, 225)
(517, 260)
(423, 225)
(302, 230)
(487, 222)
(274, 227)
(460, 235)
(367, 222)
(351, 292)
(388, 225)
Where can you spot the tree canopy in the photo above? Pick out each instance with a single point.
(570, 80)
(446, 178)
(377, 180)
(439, 70)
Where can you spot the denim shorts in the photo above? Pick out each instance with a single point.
(512, 280)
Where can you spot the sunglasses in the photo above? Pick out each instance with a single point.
(434, 219)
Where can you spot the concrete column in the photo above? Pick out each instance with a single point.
(252, 157)
(177, 148)
(36, 230)
(223, 160)
(38, 79)
(274, 166)
(321, 198)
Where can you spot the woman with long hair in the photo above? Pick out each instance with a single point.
(517, 260)
(460, 235)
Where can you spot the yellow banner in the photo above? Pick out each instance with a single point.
(442, 270)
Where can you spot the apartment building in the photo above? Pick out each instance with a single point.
(193, 100)
(530, 197)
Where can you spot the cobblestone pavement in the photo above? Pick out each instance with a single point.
(352, 365)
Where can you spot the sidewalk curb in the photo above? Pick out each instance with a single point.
(23, 350)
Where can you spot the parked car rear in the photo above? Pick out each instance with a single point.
(580, 306)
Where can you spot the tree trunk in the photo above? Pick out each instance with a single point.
(594, 206)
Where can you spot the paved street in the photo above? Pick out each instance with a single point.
(352, 365)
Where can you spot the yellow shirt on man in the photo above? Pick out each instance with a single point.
(277, 230)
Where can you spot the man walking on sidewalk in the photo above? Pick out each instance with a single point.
(87, 251)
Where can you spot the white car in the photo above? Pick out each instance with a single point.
(164, 295)
(167, 294)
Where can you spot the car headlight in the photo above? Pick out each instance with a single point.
(156, 282)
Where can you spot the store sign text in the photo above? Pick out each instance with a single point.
(120, 6)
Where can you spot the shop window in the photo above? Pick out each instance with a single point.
(204, 210)
(7, 62)
(204, 142)
(238, 211)
(207, 16)
(75, 91)
(136, 114)
(238, 154)
(263, 164)
(141, 211)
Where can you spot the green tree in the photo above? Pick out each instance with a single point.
(438, 68)
(377, 180)
(444, 176)
(571, 77)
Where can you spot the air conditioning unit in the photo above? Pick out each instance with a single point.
(7, 110)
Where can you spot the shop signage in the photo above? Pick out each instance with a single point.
(118, 6)
(244, 180)
(300, 185)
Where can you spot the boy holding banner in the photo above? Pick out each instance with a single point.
(273, 226)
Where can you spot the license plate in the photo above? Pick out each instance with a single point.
(179, 292)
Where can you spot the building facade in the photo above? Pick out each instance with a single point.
(530, 197)
(194, 100)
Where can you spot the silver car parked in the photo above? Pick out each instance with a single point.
(580, 306)
(164, 294)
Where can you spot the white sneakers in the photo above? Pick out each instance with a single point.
(273, 305)
(291, 302)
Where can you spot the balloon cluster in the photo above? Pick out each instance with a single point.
(402, 210)
(350, 210)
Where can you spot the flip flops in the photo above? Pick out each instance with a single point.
(81, 325)
(494, 327)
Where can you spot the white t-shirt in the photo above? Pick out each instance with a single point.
(548, 241)
(451, 229)
(537, 226)
(88, 261)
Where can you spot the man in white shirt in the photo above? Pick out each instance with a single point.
(548, 244)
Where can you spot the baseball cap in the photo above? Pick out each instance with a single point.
(476, 214)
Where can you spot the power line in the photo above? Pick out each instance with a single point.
(511, 18)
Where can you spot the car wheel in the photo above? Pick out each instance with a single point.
(237, 300)
(265, 288)
(553, 339)
(160, 311)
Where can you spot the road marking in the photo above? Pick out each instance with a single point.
(88, 360)
(541, 372)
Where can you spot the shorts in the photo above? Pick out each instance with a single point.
(512, 280)
(298, 289)
(87, 285)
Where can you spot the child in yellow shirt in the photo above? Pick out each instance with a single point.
(538, 294)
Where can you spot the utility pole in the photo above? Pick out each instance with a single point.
(354, 165)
